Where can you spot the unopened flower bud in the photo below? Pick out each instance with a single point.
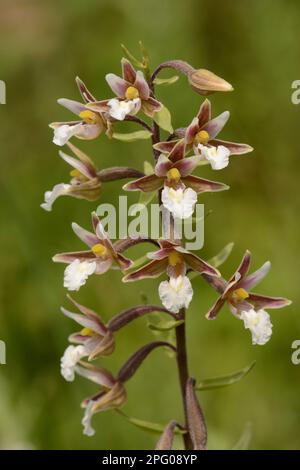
(205, 82)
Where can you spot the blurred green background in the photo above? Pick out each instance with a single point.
(43, 46)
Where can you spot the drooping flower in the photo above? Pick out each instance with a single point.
(173, 173)
(95, 337)
(113, 394)
(98, 259)
(176, 293)
(85, 182)
(133, 93)
(88, 127)
(244, 304)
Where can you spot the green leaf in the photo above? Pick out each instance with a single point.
(244, 441)
(224, 381)
(147, 425)
(164, 325)
(166, 81)
(163, 119)
(131, 57)
(132, 136)
(146, 198)
(148, 168)
(222, 256)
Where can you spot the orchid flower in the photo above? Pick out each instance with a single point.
(84, 184)
(173, 259)
(172, 172)
(244, 304)
(133, 93)
(90, 125)
(98, 259)
(113, 394)
(200, 136)
(96, 339)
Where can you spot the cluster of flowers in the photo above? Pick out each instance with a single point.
(185, 150)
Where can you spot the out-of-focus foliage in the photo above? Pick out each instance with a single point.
(43, 46)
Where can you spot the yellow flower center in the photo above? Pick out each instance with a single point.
(87, 332)
(174, 258)
(173, 175)
(88, 116)
(240, 294)
(131, 93)
(202, 137)
(99, 250)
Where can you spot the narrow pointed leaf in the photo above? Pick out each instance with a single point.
(165, 325)
(245, 439)
(222, 256)
(224, 381)
(147, 425)
(163, 119)
(132, 136)
(166, 81)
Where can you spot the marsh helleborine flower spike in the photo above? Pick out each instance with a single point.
(133, 93)
(98, 259)
(246, 305)
(90, 125)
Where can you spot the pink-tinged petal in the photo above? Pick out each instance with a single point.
(73, 106)
(71, 256)
(160, 254)
(191, 131)
(235, 148)
(168, 244)
(204, 113)
(83, 321)
(151, 270)
(117, 84)
(162, 166)
(87, 237)
(197, 264)
(243, 268)
(187, 165)
(142, 86)
(95, 220)
(264, 301)
(146, 184)
(99, 106)
(128, 72)
(151, 106)
(85, 93)
(55, 125)
(102, 265)
(178, 151)
(89, 313)
(89, 164)
(97, 375)
(165, 147)
(123, 262)
(214, 310)
(89, 131)
(251, 281)
(214, 126)
(218, 283)
(201, 185)
(81, 167)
